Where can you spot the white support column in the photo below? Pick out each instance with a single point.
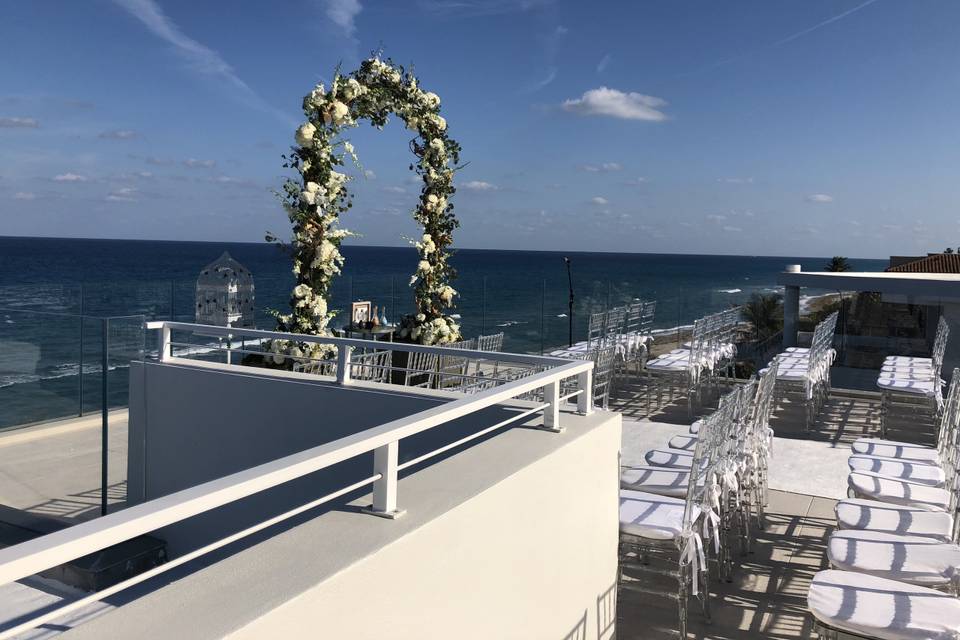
(163, 343)
(551, 413)
(343, 364)
(385, 489)
(791, 315)
(585, 399)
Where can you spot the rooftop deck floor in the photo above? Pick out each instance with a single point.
(808, 472)
(768, 595)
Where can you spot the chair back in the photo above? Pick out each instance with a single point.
(596, 328)
(373, 366)
(420, 364)
(603, 361)
(492, 342)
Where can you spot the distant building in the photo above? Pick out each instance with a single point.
(931, 263)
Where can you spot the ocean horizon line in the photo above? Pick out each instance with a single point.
(489, 249)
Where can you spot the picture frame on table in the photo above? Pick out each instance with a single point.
(360, 314)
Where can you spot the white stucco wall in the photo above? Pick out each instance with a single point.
(534, 556)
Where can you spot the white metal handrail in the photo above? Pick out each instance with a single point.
(37, 555)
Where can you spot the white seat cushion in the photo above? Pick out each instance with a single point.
(919, 472)
(884, 609)
(924, 561)
(865, 514)
(659, 480)
(647, 515)
(900, 384)
(797, 350)
(884, 489)
(908, 360)
(664, 363)
(674, 458)
(684, 443)
(695, 427)
(895, 449)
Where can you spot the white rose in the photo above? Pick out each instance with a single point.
(305, 133)
(424, 266)
(336, 113)
(432, 200)
(312, 187)
(310, 197)
(413, 123)
(420, 317)
(432, 99)
(348, 147)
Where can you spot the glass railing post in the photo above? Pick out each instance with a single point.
(104, 412)
(80, 363)
(483, 307)
(173, 317)
(543, 301)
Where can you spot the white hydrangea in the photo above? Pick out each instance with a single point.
(305, 134)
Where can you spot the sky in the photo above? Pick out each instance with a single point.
(795, 127)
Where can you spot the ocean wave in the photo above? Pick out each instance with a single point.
(511, 323)
(729, 290)
(65, 370)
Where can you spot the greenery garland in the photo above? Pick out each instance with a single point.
(315, 201)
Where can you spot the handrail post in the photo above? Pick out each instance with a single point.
(163, 343)
(385, 463)
(551, 413)
(343, 364)
(585, 399)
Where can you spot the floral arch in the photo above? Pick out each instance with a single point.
(315, 201)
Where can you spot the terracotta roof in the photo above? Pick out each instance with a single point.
(935, 263)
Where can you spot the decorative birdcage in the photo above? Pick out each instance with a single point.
(225, 294)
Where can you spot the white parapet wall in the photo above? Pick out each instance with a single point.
(533, 556)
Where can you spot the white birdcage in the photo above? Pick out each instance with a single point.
(225, 294)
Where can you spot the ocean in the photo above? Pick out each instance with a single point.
(47, 283)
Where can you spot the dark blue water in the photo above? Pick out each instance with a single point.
(45, 283)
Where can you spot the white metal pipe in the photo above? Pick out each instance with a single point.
(176, 562)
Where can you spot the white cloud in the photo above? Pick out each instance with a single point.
(604, 63)
(731, 229)
(118, 134)
(617, 104)
(819, 197)
(343, 13)
(479, 185)
(393, 190)
(469, 8)
(604, 167)
(19, 123)
(124, 194)
(70, 177)
(600, 200)
(232, 180)
(24, 195)
(193, 163)
(369, 174)
(736, 180)
(635, 182)
(198, 57)
(716, 217)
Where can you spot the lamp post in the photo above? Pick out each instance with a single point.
(570, 303)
